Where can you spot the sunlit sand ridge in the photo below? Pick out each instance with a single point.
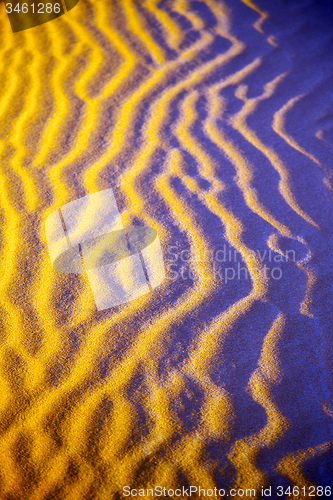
(211, 127)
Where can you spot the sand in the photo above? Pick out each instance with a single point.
(212, 123)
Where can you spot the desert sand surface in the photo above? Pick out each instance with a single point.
(212, 123)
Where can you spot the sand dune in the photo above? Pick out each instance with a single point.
(212, 123)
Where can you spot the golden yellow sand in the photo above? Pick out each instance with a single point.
(113, 94)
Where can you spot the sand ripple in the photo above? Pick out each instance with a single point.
(212, 123)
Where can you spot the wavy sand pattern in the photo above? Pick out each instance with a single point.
(212, 123)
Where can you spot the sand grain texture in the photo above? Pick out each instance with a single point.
(212, 123)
